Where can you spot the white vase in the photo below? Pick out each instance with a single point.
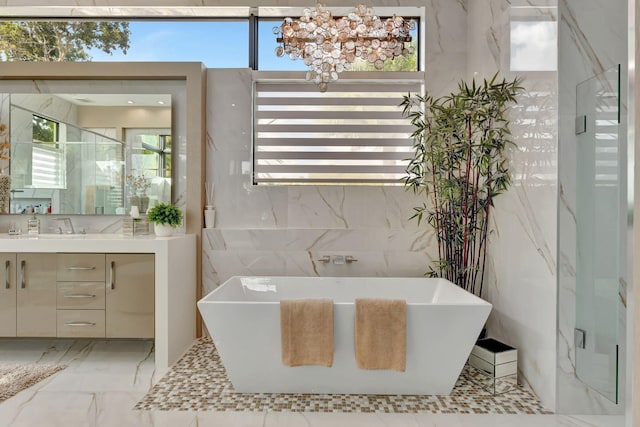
(209, 217)
(163, 230)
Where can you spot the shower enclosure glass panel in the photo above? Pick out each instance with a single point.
(599, 214)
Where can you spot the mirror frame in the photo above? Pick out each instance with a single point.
(194, 75)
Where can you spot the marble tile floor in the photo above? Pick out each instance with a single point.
(105, 379)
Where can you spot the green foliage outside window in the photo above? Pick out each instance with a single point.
(60, 40)
(44, 130)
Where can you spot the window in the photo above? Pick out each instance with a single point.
(352, 134)
(158, 148)
(47, 157)
(44, 130)
(268, 60)
(533, 39)
(218, 37)
(47, 167)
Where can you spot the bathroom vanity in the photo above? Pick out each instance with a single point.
(100, 286)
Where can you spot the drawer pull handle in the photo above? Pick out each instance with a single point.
(80, 324)
(79, 295)
(112, 274)
(23, 283)
(79, 268)
(7, 271)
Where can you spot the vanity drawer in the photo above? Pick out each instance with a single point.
(81, 323)
(74, 267)
(80, 295)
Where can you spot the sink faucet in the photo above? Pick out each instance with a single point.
(68, 226)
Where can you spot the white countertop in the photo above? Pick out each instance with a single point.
(84, 243)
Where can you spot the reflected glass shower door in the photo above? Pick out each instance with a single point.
(599, 213)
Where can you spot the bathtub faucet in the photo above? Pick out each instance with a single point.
(341, 259)
(338, 259)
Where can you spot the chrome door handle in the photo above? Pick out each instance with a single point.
(112, 274)
(79, 296)
(79, 268)
(7, 271)
(23, 283)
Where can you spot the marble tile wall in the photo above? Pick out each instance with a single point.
(520, 276)
(285, 230)
(592, 38)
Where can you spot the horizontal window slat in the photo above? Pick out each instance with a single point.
(334, 128)
(340, 87)
(337, 180)
(331, 155)
(328, 168)
(343, 115)
(328, 101)
(335, 142)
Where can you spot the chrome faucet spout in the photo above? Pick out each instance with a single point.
(68, 225)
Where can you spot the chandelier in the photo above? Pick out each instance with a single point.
(329, 46)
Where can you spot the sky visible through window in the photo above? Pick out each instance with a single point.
(218, 44)
(534, 46)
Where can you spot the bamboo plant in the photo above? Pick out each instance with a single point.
(460, 165)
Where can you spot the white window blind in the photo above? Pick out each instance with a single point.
(47, 168)
(352, 134)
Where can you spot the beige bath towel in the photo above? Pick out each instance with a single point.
(381, 334)
(306, 328)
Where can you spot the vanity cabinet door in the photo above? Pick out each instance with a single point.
(130, 296)
(36, 294)
(7, 295)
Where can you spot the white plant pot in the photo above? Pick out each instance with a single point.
(163, 230)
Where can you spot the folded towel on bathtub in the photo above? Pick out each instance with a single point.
(381, 334)
(306, 329)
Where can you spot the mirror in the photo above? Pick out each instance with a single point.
(88, 153)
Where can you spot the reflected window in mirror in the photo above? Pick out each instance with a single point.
(149, 163)
(89, 153)
(45, 130)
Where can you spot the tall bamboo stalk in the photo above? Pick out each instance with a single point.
(459, 139)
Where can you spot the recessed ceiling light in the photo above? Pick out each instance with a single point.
(130, 102)
(161, 102)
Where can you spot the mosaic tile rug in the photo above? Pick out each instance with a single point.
(198, 382)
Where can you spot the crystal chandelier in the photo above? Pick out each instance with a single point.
(329, 46)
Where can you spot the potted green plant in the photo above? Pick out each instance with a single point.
(460, 164)
(165, 217)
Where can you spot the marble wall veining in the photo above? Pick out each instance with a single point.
(285, 230)
(592, 38)
(278, 230)
(520, 277)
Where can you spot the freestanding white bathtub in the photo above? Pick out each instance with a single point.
(243, 318)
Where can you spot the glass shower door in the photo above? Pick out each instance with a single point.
(599, 218)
